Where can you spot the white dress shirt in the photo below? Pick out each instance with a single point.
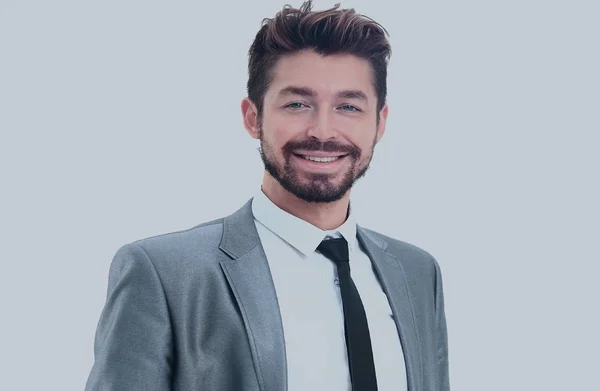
(310, 303)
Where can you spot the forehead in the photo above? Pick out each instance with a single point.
(324, 74)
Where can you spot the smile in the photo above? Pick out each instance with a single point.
(327, 163)
(321, 159)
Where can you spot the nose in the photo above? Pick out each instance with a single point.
(322, 127)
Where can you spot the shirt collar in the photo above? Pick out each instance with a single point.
(299, 233)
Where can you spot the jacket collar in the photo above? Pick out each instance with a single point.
(249, 277)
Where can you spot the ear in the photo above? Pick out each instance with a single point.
(250, 117)
(383, 114)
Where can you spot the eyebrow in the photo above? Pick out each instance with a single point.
(309, 92)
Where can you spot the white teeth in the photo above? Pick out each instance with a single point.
(321, 159)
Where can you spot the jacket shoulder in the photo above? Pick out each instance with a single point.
(199, 229)
(399, 246)
(405, 252)
(203, 238)
(418, 264)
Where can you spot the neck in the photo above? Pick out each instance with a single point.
(324, 215)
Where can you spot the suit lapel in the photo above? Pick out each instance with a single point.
(250, 280)
(391, 275)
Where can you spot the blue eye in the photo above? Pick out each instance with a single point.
(295, 105)
(350, 108)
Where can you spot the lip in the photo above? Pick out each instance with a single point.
(319, 153)
(319, 166)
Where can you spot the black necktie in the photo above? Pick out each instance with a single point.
(358, 341)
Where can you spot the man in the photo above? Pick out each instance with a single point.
(288, 292)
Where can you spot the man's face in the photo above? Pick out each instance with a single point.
(319, 124)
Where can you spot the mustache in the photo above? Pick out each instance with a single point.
(315, 145)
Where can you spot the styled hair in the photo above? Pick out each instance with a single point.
(333, 31)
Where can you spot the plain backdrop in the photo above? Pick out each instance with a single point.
(121, 120)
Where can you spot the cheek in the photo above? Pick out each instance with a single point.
(365, 143)
(274, 138)
(279, 129)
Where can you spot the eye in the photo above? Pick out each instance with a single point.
(349, 108)
(295, 105)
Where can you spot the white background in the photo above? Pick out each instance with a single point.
(120, 120)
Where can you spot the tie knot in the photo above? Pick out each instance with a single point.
(335, 249)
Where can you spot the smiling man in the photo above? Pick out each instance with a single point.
(289, 292)
(323, 112)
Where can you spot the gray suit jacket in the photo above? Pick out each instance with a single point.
(196, 310)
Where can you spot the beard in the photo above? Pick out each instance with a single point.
(314, 187)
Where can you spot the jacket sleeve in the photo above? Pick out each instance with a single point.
(441, 332)
(133, 342)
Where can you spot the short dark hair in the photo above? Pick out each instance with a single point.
(326, 32)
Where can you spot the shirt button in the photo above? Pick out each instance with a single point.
(336, 282)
